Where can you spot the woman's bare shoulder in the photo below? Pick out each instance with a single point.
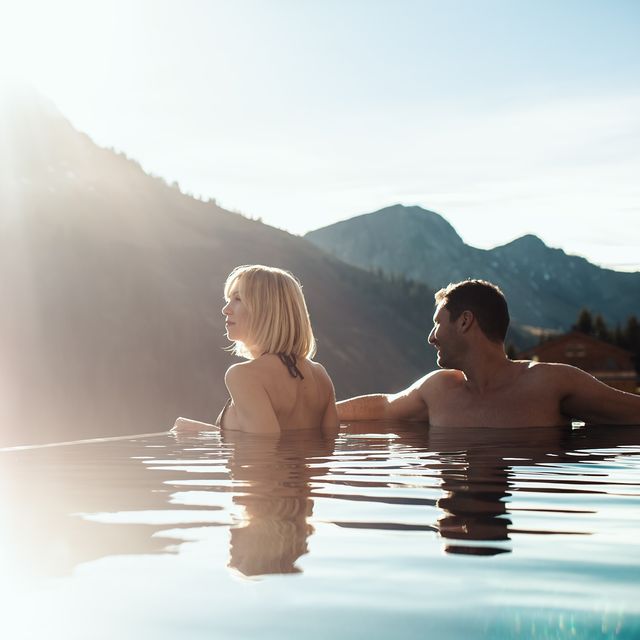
(240, 373)
(319, 371)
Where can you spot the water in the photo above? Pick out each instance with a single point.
(395, 531)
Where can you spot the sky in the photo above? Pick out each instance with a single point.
(505, 116)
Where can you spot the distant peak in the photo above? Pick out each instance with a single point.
(397, 208)
(398, 218)
(422, 217)
(528, 240)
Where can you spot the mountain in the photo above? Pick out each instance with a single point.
(545, 287)
(111, 290)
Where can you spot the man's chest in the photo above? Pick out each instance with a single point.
(512, 407)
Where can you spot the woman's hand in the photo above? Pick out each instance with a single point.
(183, 425)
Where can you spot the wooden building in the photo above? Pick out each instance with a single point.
(611, 364)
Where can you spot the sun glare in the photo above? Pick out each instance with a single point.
(48, 44)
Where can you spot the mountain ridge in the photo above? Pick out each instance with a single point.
(545, 287)
(111, 281)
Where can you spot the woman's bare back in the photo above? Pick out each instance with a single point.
(300, 397)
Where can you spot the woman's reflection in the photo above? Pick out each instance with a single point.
(273, 501)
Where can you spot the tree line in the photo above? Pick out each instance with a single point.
(626, 336)
(416, 301)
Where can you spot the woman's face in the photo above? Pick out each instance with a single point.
(236, 316)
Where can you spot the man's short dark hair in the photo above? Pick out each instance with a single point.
(484, 300)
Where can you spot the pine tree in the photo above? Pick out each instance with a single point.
(584, 322)
(600, 329)
(632, 338)
(632, 334)
(618, 337)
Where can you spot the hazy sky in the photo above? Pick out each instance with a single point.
(505, 116)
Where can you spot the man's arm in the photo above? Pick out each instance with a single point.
(586, 398)
(405, 405)
(371, 407)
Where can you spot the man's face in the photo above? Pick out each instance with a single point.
(444, 337)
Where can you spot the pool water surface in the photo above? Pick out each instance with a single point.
(388, 531)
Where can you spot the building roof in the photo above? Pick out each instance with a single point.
(575, 336)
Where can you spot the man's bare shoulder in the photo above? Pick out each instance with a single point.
(442, 378)
(548, 371)
(541, 367)
(437, 382)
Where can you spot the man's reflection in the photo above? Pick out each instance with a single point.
(478, 479)
(478, 470)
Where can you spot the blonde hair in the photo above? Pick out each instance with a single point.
(278, 317)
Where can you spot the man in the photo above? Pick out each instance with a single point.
(479, 385)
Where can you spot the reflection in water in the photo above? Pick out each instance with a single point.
(480, 470)
(73, 504)
(274, 475)
(479, 481)
(475, 504)
(44, 490)
(393, 530)
(482, 486)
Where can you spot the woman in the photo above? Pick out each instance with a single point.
(279, 388)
